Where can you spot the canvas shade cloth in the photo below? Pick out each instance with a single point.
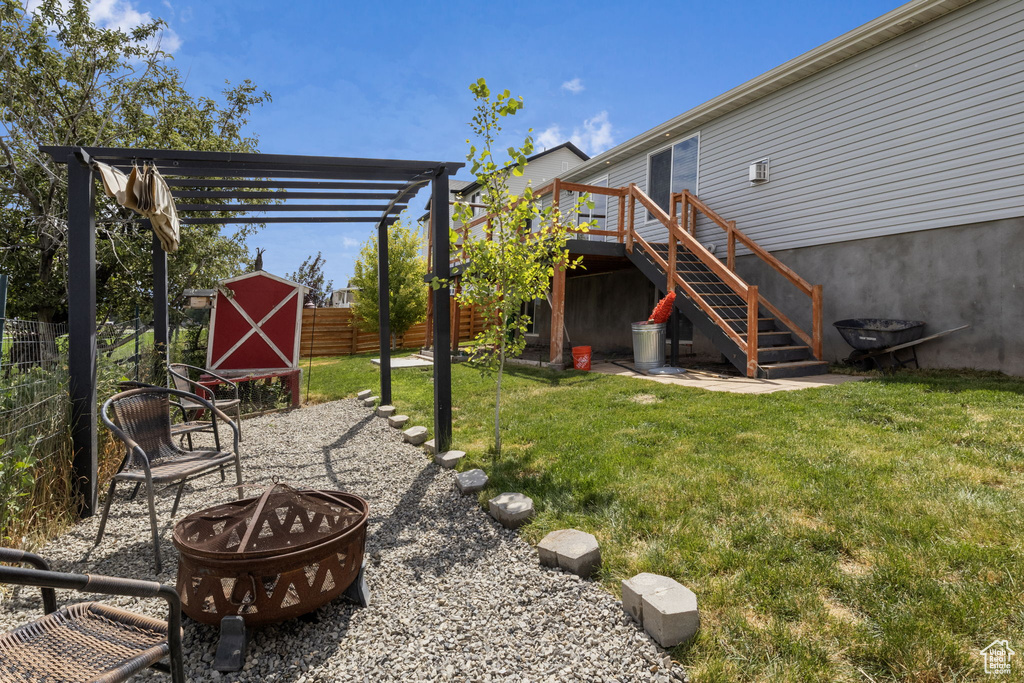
(146, 192)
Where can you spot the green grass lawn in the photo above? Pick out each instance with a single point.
(869, 531)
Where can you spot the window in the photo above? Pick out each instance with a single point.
(475, 199)
(530, 309)
(672, 170)
(599, 213)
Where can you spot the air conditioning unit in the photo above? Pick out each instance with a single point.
(759, 172)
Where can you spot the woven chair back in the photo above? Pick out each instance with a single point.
(178, 372)
(146, 418)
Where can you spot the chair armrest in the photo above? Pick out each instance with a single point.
(215, 412)
(130, 444)
(13, 556)
(108, 585)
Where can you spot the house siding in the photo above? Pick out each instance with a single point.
(924, 131)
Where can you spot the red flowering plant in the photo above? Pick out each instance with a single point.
(663, 310)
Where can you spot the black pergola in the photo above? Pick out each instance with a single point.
(346, 190)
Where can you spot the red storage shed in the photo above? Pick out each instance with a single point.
(257, 326)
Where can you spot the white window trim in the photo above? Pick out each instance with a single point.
(647, 170)
(579, 217)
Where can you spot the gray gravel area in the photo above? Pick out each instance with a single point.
(455, 597)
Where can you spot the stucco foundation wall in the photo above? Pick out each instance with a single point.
(599, 309)
(971, 274)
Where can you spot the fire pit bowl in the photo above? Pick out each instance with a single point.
(271, 558)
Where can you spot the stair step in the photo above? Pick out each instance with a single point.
(740, 324)
(771, 339)
(779, 354)
(803, 368)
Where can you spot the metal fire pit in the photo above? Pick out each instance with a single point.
(270, 558)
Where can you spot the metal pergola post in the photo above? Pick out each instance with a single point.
(442, 314)
(161, 309)
(384, 312)
(82, 333)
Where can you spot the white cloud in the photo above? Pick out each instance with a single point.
(593, 137)
(575, 86)
(350, 242)
(121, 15)
(552, 137)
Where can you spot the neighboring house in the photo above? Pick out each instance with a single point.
(890, 171)
(343, 298)
(540, 169)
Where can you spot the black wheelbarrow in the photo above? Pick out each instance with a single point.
(873, 339)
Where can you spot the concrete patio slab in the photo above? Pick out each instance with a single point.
(405, 362)
(735, 385)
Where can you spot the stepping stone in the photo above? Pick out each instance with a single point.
(634, 590)
(512, 510)
(572, 550)
(370, 400)
(415, 435)
(385, 411)
(670, 615)
(398, 421)
(430, 447)
(471, 481)
(364, 394)
(449, 459)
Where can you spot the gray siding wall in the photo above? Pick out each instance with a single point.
(924, 131)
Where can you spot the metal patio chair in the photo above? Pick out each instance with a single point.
(88, 641)
(182, 430)
(142, 421)
(179, 373)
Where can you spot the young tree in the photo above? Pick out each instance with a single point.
(407, 297)
(515, 263)
(68, 82)
(311, 274)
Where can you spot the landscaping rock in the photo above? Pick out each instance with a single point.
(670, 615)
(415, 435)
(430, 447)
(370, 400)
(512, 510)
(471, 481)
(572, 550)
(634, 589)
(385, 411)
(365, 393)
(449, 459)
(398, 421)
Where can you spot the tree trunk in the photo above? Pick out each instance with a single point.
(497, 401)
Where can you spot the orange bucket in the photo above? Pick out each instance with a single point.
(581, 357)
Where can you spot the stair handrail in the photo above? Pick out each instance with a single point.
(689, 220)
(746, 292)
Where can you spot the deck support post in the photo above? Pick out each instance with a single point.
(557, 317)
(384, 312)
(442, 312)
(82, 333)
(673, 329)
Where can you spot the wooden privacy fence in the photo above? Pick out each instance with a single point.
(337, 334)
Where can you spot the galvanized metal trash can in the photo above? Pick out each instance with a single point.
(648, 345)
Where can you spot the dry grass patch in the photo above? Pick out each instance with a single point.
(645, 399)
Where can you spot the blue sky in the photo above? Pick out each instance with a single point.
(390, 79)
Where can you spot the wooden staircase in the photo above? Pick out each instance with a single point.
(778, 353)
(756, 337)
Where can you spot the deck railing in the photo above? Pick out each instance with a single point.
(681, 224)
